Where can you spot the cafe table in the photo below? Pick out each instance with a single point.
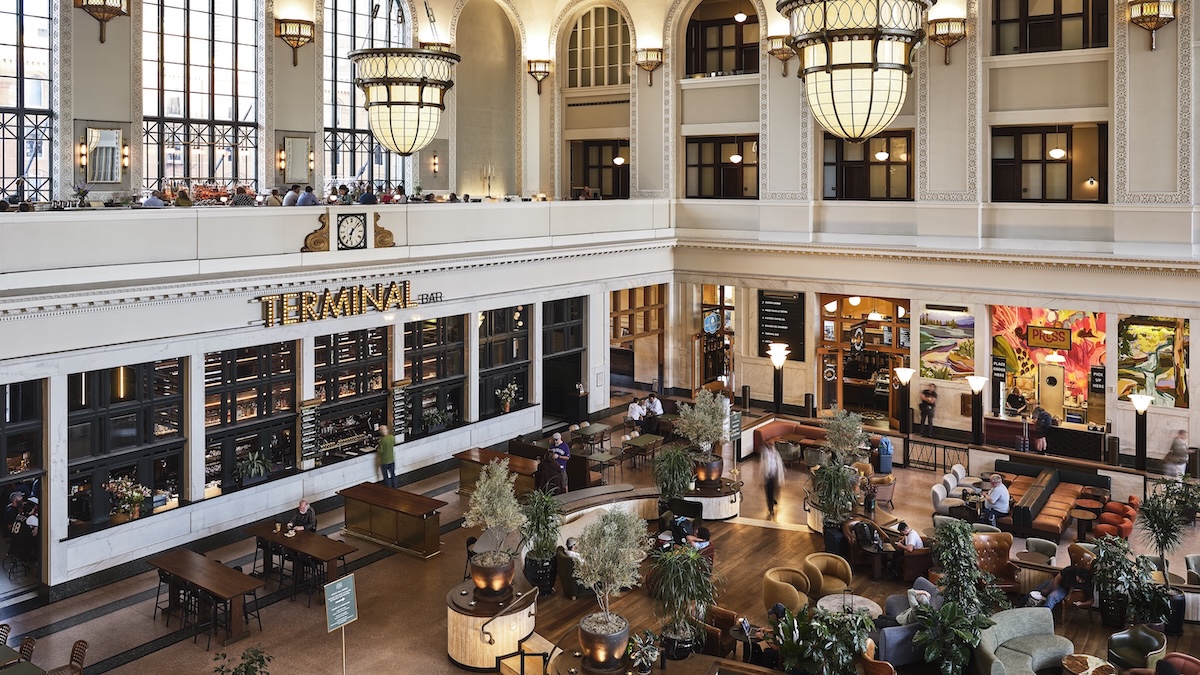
(311, 544)
(592, 434)
(604, 460)
(22, 668)
(219, 581)
(642, 441)
(8, 654)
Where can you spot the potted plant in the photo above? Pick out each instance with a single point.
(251, 467)
(818, 642)
(127, 497)
(610, 551)
(1114, 574)
(681, 582)
(948, 635)
(507, 394)
(1161, 518)
(1149, 601)
(844, 435)
(643, 651)
(543, 520)
(704, 424)
(672, 474)
(253, 661)
(494, 507)
(833, 487)
(434, 419)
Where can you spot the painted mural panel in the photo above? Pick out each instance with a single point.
(947, 344)
(1010, 332)
(1152, 359)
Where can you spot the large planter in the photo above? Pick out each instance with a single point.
(678, 648)
(540, 573)
(709, 468)
(603, 650)
(1177, 601)
(493, 573)
(835, 540)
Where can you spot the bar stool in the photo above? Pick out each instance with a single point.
(217, 615)
(250, 599)
(164, 578)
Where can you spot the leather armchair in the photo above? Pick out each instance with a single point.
(787, 585)
(994, 551)
(827, 573)
(872, 667)
(916, 563)
(885, 487)
(1186, 665)
(862, 553)
(1137, 647)
(566, 574)
(1081, 556)
(717, 622)
(1192, 562)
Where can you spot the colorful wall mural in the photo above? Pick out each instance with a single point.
(947, 344)
(1010, 334)
(1152, 359)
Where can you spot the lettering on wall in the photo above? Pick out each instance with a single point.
(1049, 337)
(283, 309)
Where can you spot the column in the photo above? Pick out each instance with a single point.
(305, 365)
(596, 365)
(471, 347)
(54, 486)
(534, 391)
(193, 420)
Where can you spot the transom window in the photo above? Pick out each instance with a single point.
(881, 168)
(351, 152)
(722, 167)
(26, 121)
(1067, 163)
(722, 46)
(599, 52)
(200, 96)
(1024, 26)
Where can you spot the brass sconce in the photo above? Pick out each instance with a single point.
(437, 163)
(83, 152)
(1151, 15)
(648, 60)
(777, 46)
(296, 33)
(947, 33)
(539, 70)
(104, 11)
(282, 159)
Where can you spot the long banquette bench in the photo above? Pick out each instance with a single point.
(1042, 498)
(771, 431)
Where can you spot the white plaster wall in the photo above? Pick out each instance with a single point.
(100, 72)
(486, 117)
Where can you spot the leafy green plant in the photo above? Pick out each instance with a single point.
(1162, 524)
(963, 582)
(610, 551)
(673, 471)
(253, 661)
(643, 649)
(543, 520)
(1149, 601)
(948, 635)
(833, 485)
(703, 423)
(818, 641)
(681, 582)
(844, 434)
(1114, 574)
(253, 465)
(494, 507)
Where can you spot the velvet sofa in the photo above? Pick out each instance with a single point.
(896, 642)
(1021, 642)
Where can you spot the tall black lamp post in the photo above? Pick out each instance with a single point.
(977, 383)
(905, 375)
(778, 351)
(1141, 403)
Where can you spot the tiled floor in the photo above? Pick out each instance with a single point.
(402, 625)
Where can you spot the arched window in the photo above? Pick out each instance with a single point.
(600, 52)
(200, 97)
(351, 152)
(26, 121)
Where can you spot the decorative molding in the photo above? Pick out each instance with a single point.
(974, 104)
(318, 239)
(383, 236)
(557, 117)
(1183, 104)
(805, 159)
(62, 167)
(318, 171)
(137, 112)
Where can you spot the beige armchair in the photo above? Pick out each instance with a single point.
(827, 573)
(787, 585)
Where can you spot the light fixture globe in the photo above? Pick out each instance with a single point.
(405, 91)
(104, 11)
(854, 59)
(905, 375)
(1141, 402)
(778, 351)
(976, 382)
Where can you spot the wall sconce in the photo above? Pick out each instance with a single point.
(1149, 14)
(282, 159)
(437, 163)
(779, 47)
(1091, 181)
(947, 33)
(648, 60)
(104, 11)
(83, 152)
(125, 156)
(296, 33)
(312, 160)
(619, 160)
(539, 70)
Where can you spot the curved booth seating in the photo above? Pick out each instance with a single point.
(1186, 665)
(787, 585)
(1021, 642)
(942, 502)
(1043, 546)
(994, 550)
(916, 564)
(827, 573)
(1137, 647)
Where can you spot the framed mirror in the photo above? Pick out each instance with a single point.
(104, 155)
(296, 169)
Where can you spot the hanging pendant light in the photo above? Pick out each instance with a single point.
(1057, 152)
(855, 59)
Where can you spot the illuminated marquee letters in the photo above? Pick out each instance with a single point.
(289, 308)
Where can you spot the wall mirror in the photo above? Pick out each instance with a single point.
(104, 155)
(296, 169)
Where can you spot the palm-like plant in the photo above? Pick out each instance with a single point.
(681, 583)
(818, 641)
(543, 520)
(1115, 576)
(1162, 525)
(672, 472)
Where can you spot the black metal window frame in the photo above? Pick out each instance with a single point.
(352, 364)
(503, 357)
(563, 325)
(22, 432)
(1093, 15)
(606, 179)
(27, 129)
(1007, 173)
(850, 167)
(709, 39)
(705, 158)
(600, 47)
(171, 137)
(435, 360)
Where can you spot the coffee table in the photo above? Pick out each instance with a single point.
(1033, 557)
(1086, 664)
(747, 641)
(1084, 518)
(842, 602)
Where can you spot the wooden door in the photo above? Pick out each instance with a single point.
(829, 377)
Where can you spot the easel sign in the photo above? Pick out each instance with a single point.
(341, 608)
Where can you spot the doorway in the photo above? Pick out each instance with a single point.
(562, 400)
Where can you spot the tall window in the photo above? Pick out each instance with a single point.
(26, 121)
(599, 52)
(722, 167)
(351, 382)
(722, 46)
(435, 361)
(1066, 163)
(602, 166)
(503, 357)
(21, 431)
(200, 97)
(351, 152)
(1024, 26)
(881, 168)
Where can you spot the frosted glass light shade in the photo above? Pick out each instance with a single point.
(905, 375)
(778, 351)
(1141, 402)
(854, 58)
(976, 382)
(405, 91)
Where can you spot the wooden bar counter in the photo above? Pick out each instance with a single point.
(408, 521)
(472, 461)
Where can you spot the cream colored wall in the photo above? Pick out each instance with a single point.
(100, 72)
(720, 105)
(1038, 87)
(486, 116)
(607, 116)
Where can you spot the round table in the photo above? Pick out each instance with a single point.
(747, 641)
(1089, 505)
(1097, 493)
(1033, 557)
(1086, 664)
(1084, 519)
(841, 602)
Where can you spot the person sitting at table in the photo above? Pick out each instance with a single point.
(560, 450)
(996, 500)
(551, 476)
(653, 405)
(1015, 404)
(637, 413)
(305, 518)
(767, 657)
(1070, 578)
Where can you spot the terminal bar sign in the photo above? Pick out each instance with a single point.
(284, 309)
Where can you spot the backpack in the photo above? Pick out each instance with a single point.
(885, 446)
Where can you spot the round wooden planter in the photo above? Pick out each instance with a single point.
(492, 581)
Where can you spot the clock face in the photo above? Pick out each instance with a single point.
(352, 234)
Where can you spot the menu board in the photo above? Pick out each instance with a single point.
(999, 375)
(400, 425)
(1096, 380)
(781, 319)
(309, 443)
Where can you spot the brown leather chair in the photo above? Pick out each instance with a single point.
(787, 585)
(872, 667)
(1186, 665)
(827, 573)
(717, 622)
(864, 553)
(916, 563)
(994, 551)
(1080, 556)
(1138, 647)
(885, 487)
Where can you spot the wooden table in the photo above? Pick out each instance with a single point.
(223, 583)
(603, 460)
(842, 602)
(1033, 557)
(311, 544)
(8, 654)
(1084, 520)
(1089, 505)
(471, 462)
(397, 518)
(23, 668)
(642, 441)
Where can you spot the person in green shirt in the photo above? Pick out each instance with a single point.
(387, 455)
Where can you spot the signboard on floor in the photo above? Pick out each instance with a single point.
(341, 603)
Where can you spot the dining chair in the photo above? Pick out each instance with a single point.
(164, 579)
(26, 651)
(4, 629)
(584, 423)
(75, 667)
(250, 605)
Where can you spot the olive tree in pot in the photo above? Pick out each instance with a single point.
(681, 583)
(1161, 520)
(494, 507)
(704, 424)
(818, 642)
(610, 551)
(834, 483)
(1115, 576)
(543, 520)
(672, 474)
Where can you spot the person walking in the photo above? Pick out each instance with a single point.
(387, 455)
(772, 465)
(1175, 463)
(928, 404)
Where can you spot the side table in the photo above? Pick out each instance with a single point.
(1084, 519)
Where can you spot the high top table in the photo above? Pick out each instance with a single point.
(407, 521)
(306, 543)
(223, 583)
(471, 463)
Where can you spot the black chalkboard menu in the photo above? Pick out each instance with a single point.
(309, 442)
(999, 375)
(781, 319)
(1096, 380)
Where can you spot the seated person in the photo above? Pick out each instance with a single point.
(1071, 578)
(682, 527)
(550, 475)
(572, 547)
(1015, 403)
(996, 501)
(915, 598)
(303, 518)
(637, 413)
(699, 540)
(767, 657)
(910, 542)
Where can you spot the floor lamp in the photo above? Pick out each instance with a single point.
(1141, 403)
(977, 383)
(905, 375)
(778, 351)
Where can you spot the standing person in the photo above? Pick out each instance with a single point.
(772, 476)
(996, 501)
(309, 198)
(292, 195)
(560, 450)
(928, 404)
(387, 455)
(16, 501)
(550, 475)
(637, 413)
(1175, 463)
(303, 518)
(1042, 421)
